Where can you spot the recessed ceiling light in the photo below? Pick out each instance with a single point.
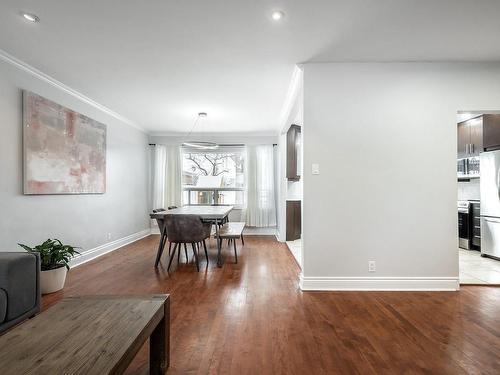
(277, 15)
(31, 17)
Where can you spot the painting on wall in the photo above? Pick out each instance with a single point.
(64, 151)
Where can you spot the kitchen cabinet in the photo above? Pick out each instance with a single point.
(470, 137)
(491, 132)
(293, 153)
(463, 139)
(293, 220)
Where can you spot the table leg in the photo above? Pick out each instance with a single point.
(161, 245)
(159, 344)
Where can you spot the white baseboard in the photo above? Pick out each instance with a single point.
(255, 231)
(379, 283)
(91, 254)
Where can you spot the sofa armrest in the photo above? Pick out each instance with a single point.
(20, 280)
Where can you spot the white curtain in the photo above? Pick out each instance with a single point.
(159, 176)
(167, 176)
(261, 208)
(173, 189)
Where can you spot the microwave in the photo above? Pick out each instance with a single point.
(468, 167)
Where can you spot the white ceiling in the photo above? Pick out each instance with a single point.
(159, 62)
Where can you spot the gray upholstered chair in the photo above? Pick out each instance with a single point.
(184, 229)
(19, 287)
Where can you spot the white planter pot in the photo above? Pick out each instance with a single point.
(53, 280)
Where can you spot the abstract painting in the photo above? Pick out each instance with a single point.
(64, 151)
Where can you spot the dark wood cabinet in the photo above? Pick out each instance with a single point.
(293, 143)
(470, 137)
(491, 132)
(476, 136)
(463, 138)
(293, 220)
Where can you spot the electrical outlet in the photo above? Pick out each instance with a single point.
(372, 267)
(109, 236)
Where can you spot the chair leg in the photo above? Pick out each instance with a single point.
(186, 253)
(172, 256)
(179, 254)
(169, 248)
(235, 252)
(161, 245)
(196, 256)
(206, 253)
(242, 240)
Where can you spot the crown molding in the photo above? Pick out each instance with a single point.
(8, 58)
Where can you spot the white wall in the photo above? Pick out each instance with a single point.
(385, 138)
(80, 220)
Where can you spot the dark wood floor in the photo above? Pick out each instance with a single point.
(251, 318)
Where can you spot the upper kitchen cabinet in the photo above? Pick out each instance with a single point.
(293, 153)
(491, 132)
(470, 137)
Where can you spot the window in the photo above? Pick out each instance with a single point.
(214, 176)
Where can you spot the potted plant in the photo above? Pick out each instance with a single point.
(55, 259)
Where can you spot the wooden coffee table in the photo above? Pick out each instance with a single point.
(89, 335)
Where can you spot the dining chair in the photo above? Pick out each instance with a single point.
(187, 229)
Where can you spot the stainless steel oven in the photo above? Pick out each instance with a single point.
(464, 232)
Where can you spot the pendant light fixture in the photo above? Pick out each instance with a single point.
(200, 144)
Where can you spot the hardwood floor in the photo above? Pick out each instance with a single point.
(251, 317)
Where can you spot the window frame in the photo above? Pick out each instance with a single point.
(233, 148)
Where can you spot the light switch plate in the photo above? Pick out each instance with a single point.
(315, 168)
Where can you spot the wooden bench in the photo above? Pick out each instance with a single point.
(232, 231)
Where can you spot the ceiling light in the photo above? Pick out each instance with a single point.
(199, 144)
(277, 15)
(31, 17)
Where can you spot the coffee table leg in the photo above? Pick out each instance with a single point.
(159, 344)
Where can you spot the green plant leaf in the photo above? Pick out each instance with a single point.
(27, 248)
(53, 253)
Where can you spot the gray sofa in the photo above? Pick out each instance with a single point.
(19, 287)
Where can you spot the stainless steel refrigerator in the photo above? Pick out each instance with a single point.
(490, 203)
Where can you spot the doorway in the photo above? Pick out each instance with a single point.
(478, 197)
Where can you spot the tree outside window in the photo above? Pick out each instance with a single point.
(210, 171)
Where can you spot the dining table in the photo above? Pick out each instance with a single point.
(215, 214)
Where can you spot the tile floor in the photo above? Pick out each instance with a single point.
(296, 249)
(474, 269)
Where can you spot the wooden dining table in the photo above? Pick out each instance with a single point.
(212, 214)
